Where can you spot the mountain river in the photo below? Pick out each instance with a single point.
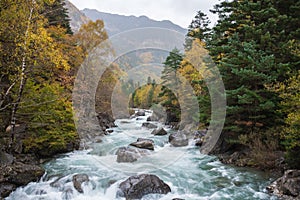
(190, 174)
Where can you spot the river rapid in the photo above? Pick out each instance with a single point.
(190, 174)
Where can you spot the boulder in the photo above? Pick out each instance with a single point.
(178, 139)
(105, 120)
(135, 187)
(143, 144)
(159, 131)
(149, 125)
(128, 154)
(6, 189)
(78, 180)
(288, 186)
(140, 113)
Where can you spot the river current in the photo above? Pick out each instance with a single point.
(190, 174)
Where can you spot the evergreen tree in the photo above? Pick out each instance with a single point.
(171, 82)
(57, 15)
(198, 29)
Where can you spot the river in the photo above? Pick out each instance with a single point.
(190, 174)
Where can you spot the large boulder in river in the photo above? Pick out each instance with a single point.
(135, 187)
(140, 113)
(127, 154)
(78, 180)
(143, 144)
(149, 125)
(159, 131)
(288, 186)
(179, 139)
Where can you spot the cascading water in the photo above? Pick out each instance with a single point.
(190, 174)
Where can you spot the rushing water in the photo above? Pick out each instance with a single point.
(190, 174)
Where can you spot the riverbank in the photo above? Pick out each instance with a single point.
(18, 166)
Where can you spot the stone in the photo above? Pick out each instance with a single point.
(159, 132)
(78, 180)
(288, 185)
(135, 187)
(178, 139)
(140, 113)
(149, 125)
(6, 189)
(143, 144)
(128, 154)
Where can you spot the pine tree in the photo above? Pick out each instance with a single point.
(57, 15)
(171, 82)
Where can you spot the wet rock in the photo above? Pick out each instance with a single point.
(143, 144)
(6, 189)
(135, 187)
(178, 139)
(288, 186)
(21, 174)
(177, 199)
(159, 131)
(78, 180)
(128, 154)
(17, 174)
(140, 113)
(105, 120)
(149, 125)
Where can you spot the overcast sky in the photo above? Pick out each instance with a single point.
(180, 12)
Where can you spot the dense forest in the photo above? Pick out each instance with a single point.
(40, 56)
(255, 45)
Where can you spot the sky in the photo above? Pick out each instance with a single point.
(180, 12)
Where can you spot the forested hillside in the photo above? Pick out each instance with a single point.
(255, 46)
(40, 56)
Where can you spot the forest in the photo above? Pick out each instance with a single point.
(255, 46)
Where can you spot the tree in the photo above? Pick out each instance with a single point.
(198, 29)
(171, 83)
(57, 15)
(35, 57)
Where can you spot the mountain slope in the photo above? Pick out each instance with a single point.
(118, 23)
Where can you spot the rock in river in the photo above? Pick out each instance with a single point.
(288, 186)
(128, 154)
(149, 125)
(159, 131)
(78, 180)
(178, 139)
(143, 144)
(135, 187)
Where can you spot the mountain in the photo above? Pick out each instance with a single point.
(76, 16)
(118, 23)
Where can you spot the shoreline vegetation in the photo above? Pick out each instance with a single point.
(255, 46)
